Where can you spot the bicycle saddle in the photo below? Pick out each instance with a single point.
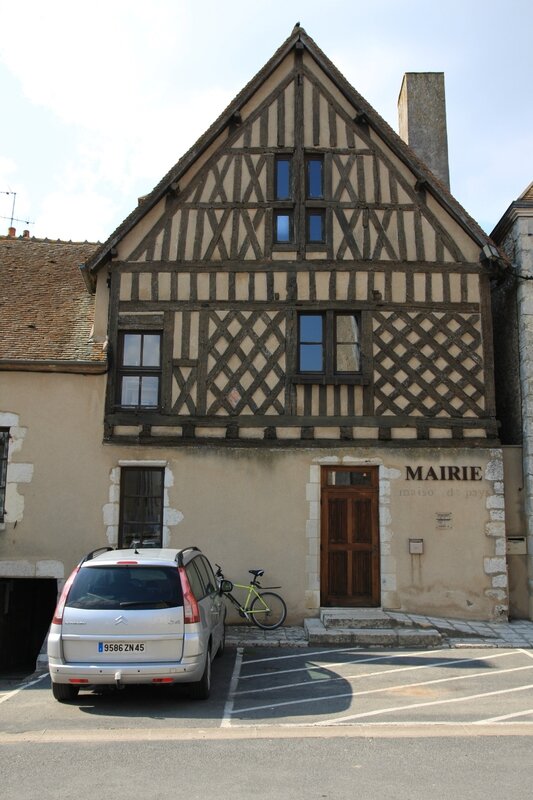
(256, 572)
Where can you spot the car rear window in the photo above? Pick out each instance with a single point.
(114, 587)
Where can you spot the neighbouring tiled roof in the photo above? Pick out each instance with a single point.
(46, 311)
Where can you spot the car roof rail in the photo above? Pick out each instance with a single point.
(93, 553)
(179, 556)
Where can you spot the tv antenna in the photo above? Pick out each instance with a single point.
(13, 218)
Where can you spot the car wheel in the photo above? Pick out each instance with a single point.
(64, 691)
(202, 688)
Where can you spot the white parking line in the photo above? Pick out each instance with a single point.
(307, 653)
(11, 694)
(386, 689)
(424, 705)
(319, 666)
(505, 716)
(365, 660)
(228, 707)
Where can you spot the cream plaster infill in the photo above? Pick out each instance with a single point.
(111, 510)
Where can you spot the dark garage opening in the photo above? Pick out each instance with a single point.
(26, 610)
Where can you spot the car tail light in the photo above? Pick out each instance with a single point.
(191, 610)
(162, 680)
(127, 562)
(58, 613)
(78, 680)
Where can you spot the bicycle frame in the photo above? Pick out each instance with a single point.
(245, 609)
(256, 602)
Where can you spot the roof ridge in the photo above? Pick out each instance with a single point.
(46, 240)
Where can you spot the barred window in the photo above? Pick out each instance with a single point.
(4, 444)
(141, 507)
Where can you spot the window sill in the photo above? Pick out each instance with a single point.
(137, 409)
(331, 380)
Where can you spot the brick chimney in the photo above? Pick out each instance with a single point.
(422, 120)
(11, 232)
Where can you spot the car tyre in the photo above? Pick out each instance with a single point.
(64, 692)
(200, 690)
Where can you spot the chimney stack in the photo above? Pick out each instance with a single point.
(422, 120)
(11, 232)
(26, 234)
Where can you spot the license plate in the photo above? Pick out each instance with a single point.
(121, 647)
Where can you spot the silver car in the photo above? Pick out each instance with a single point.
(152, 616)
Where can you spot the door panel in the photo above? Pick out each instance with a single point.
(350, 537)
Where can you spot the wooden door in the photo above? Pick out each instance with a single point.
(350, 537)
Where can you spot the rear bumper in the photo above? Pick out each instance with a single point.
(188, 669)
(126, 673)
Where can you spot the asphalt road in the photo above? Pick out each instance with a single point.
(302, 723)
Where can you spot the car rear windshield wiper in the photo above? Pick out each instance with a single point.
(147, 604)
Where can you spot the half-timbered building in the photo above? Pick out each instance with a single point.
(298, 334)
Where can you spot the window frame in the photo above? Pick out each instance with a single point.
(124, 371)
(285, 212)
(283, 205)
(321, 212)
(329, 372)
(317, 158)
(144, 521)
(285, 158)
(4, 459)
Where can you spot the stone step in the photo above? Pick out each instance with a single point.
(317, 634)
(356, 618)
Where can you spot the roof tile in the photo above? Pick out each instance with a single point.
(46, 312)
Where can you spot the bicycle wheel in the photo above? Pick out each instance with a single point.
(268, 611)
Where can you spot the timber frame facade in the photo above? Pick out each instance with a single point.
(283, 356)
(201, 265)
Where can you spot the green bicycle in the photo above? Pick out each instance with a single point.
(265, 609)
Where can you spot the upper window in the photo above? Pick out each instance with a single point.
(141, 507)
(283, 227)
(284, 216)
(139, 370)
(299, 214)
(329, 343)
(314, 175)
(315, 225)
(283, 178)
(4, 444)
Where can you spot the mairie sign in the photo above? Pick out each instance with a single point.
(444, 473)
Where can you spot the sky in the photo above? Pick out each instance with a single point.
(100, 99)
